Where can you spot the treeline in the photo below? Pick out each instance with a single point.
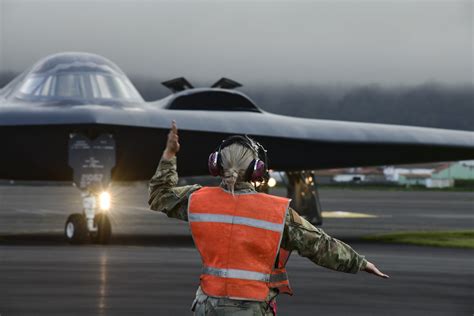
(429, 105)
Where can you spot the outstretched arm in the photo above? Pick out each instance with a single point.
(324, 250)
(164, 195)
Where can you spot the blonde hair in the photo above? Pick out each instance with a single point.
(235, 160)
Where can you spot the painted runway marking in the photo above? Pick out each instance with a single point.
(38, 211)
(453, 216)
(139, 208)
(343, 214)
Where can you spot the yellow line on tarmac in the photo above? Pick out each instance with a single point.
(342, 214)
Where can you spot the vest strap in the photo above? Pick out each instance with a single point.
(245, 274)
(218, 218)
(278, 277)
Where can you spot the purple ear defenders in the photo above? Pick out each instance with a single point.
(256, 171)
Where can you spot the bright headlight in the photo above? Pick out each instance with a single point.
(104, 201)
(272, 182)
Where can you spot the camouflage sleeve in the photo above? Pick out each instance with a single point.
(164, 195)
(314, 244)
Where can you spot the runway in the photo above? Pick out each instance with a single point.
(151, 268)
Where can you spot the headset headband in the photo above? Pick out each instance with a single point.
(258, 167)
(244, 141)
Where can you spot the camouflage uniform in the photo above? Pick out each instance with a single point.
(299, 235)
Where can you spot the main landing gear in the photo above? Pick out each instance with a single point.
(301, 188)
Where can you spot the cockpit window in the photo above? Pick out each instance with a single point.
(78, 77)
(87, 86)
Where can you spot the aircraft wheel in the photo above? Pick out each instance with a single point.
(76, 229)
(104, 229)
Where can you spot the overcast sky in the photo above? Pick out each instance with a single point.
(385, 42)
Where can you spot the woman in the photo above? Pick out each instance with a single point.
(244, 237)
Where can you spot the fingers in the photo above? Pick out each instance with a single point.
(174, 138)
(173, 133)
(380, 274)
(172, 144)
(174, 127)
(371, 268)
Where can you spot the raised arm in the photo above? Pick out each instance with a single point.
(324, 250)
(164, 195)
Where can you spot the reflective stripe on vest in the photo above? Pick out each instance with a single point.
(238, 238)
(215, 218)
(244, 274)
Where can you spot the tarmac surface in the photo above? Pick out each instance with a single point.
(151, 267)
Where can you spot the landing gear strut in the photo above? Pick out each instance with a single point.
(92, 162)
(301, 188)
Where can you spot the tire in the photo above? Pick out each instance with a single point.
(318, 216)
(104, 229)
(75, 229)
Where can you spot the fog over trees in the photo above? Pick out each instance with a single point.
(428, 105)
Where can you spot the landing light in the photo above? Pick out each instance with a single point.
(272, 182)
(104, 201)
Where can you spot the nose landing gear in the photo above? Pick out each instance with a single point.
(88, 226)
(104, 229)
(76, 229)
(92, 162)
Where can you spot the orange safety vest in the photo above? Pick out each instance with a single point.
(238, 237)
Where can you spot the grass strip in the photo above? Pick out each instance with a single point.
(448, 239)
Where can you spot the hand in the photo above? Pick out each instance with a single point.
(172, 145)
(371, 268)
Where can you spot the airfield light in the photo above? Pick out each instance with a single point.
(104, 201)
(272, 182)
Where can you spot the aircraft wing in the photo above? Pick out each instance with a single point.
(35, 140)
